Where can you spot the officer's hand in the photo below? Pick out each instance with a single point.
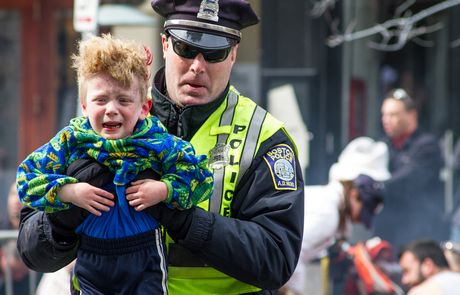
(177, 222)
(64, 223)
(90, 171)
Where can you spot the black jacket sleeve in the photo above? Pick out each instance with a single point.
(260, 245)
(39, 250)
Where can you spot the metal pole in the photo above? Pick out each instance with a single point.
(8, 234)
(447, 174)
(86, 22)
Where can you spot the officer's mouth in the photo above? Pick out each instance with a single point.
(192, 85)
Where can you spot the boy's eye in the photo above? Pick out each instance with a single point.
(124, 100)
(99, 99)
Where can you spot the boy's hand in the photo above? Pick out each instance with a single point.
(88, 197)
(145, 193)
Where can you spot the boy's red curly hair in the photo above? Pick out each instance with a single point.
(122, 60)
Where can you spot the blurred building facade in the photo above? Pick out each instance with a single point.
(338, 89)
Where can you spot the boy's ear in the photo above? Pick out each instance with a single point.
(83, 109)
(146, 106)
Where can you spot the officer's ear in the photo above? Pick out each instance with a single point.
(164, 44)
(234, 53)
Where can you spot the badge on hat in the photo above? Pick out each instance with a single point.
(281, 161)
(209, 10)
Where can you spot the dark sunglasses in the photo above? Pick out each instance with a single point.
(187, 51)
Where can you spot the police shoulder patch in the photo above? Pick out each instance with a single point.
(281, 162)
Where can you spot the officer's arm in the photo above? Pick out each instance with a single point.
(39, 249)
(261, 244)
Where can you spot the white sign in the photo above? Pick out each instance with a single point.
(85, 15)
(282, 103)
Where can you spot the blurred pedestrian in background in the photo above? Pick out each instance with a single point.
(13, 207)
(414, 193)
(11, 265)
(354, 194)
(425, 270)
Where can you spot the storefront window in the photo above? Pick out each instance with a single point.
(67, 92)
(10, 98)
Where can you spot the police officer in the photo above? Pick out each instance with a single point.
(247, 238)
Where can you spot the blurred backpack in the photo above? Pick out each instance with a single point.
(374, 270)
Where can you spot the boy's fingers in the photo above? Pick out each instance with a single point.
(134, 187)
(134, 202)
(94, 211)
(97, 201)
(105, 201)
(131, 189)
(106, 194)
(100, 207)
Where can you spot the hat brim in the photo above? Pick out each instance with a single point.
(202, 39)
(341, 171)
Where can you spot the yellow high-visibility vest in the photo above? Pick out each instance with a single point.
(241, 126)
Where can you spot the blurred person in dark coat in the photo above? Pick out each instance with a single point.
(414, 193)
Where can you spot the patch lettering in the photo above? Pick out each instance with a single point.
(281, 162)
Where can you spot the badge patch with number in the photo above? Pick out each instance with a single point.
(281, 161)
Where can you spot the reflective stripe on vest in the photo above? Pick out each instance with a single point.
(249, 141)
(226, 120)
(243, 125)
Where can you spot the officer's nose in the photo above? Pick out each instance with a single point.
(198, 64)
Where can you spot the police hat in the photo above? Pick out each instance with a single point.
(209, 24)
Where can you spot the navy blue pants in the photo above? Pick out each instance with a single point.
(133, 265)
